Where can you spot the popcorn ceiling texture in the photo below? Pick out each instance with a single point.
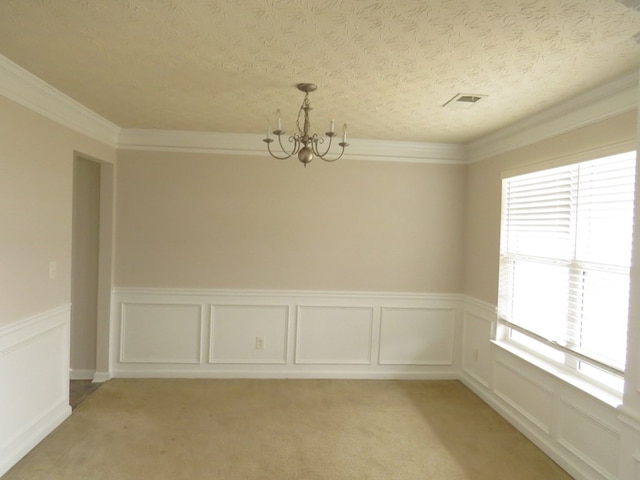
(385, 67)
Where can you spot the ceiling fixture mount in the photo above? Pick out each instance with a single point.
(305, 145)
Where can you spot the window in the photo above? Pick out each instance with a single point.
(565, 256)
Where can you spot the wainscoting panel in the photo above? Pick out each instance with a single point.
(161, 333)
(283, 334)
(417, 336)
(580, 431)
(529, 397)
(327, 335)
(476, 347)
(586, 434)
(248, 334)
(34, 381)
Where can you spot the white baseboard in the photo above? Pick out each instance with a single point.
(75, 374)
(32, 437)
(340, 374)
(101, 377)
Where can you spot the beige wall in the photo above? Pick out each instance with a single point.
(36, 177)
(204, 221)
(483, 201)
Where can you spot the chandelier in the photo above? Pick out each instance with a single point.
(305, 145)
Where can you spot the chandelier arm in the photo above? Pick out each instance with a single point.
(276, 156)
(333, 159)
(292, 139)
(320, 140)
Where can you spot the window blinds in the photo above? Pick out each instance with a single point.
(565, 255)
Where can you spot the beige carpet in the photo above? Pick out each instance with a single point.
(285, 429)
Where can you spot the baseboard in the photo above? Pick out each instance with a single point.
(101, 377)
(33, 436)
(75, 374)
(286, 374)
(21, 446)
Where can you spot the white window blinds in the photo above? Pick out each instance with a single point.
(565, 256)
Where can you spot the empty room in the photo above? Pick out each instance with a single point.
(304, 239)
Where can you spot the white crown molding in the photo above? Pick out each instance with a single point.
(21, 86)
(613, 98)
(608, 100)
(250, 144)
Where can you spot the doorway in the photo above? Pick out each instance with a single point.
(92, 227)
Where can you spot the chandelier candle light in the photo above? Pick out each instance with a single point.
(304, 144)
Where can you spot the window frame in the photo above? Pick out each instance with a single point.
(568, 358)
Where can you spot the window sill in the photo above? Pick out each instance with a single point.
(604, 395)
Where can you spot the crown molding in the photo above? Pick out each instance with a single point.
(608, 100)
(24, 88)
(250, 144)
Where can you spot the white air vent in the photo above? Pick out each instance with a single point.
(464, 100)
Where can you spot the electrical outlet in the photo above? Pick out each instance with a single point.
(259, 343)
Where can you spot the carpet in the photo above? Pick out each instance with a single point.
(285, 430)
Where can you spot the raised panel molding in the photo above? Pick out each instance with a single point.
(307, 334)
(235, 331)
(476, 347)
(529, 397)
(334, 335)
(587, 436)
(160, 333)
(417, 336)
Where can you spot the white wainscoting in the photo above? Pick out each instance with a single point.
(268, 334)
(334, 335)
(629, 445)
(34, 382)
(530, 397)
(580, 432)
(417, 336)
(589, 435)
(248, 334)
(160, 333)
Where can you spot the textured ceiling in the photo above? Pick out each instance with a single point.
(385, 67)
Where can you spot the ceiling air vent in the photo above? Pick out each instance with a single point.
(464, 100)
(634, 4)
